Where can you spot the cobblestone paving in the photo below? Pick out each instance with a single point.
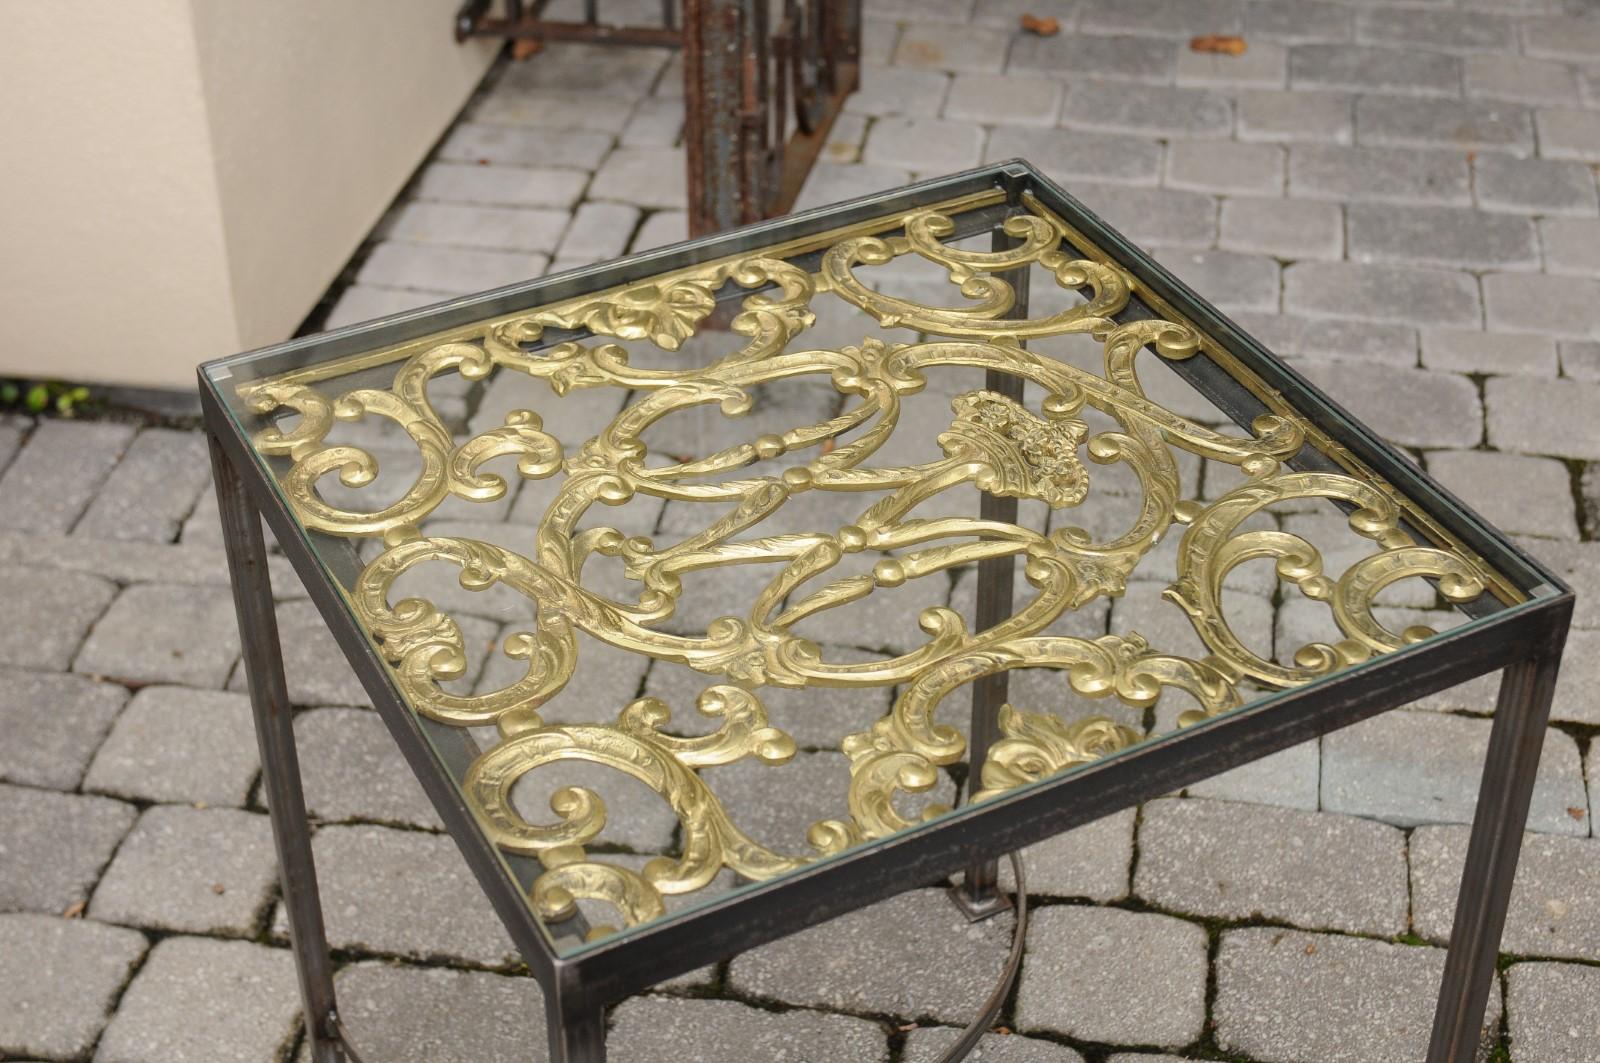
(1401, 198)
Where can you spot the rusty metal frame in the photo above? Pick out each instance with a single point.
(744, 80)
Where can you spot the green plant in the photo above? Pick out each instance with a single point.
(43, 396)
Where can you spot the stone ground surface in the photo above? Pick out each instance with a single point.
(1399, 197)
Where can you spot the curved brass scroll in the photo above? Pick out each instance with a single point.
(895, 533)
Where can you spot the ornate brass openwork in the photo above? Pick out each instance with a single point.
(1046, 452)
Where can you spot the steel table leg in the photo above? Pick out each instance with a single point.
(577, 1029)
(1515, 742)
(979, 894)
(280, 768)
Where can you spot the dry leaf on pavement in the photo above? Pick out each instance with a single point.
(1040, 27)
(1218, 44)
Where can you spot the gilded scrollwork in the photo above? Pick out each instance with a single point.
(1054, 450)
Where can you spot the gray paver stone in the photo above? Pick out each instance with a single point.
(52, 725)
(961, 49)
(1445, 411)
(646, 1029)
(507, 145)
(569, 66)
(1409, 768)
(898, 91)
(1068, 155)
(1148, 110)
(1298, 23)
(1555, 900)
(1350, 68)
(1102, 974)
(1451, 237)
(198, 1000)
(1164, 18)
(928, 1045)
(1289, 779)
(1570, 245)
(404, 892)
(1312, 869)
(1568, 133)
(1284, 228)
(1524, 413)
(1319, 117)
(177, 744)
(643, 177)
(1553, 1012)
(352, 769)
(924, 145)
(1230, 280)
(1225, 167)
(1445, 31)
(433, 269)
(360, 302)
(1388, 293)
(1579, 565)
(1090, 861)
(1512, 77)
(150, 492)
(437, 1015)
(52, 846)
(1559, 306)
(11, 429)
(1112, 58)
(164, 633)
(1396, 175)
(187, 869)
(1359, 341)
(468, 224)
(51, 611)
(1516, 493)
(814, 786)
(57, 474)
(829, 183)
(1264, 65)
(1287, 995)
(59, 981)
(1470, 351)
(912, 955)
(1561, 37)
(1533, 186)
(1167, 217)
(599, 230)
(990, 98)
(656, 123)
(546, 110)
(1465, 125)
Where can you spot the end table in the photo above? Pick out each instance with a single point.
(747, 468)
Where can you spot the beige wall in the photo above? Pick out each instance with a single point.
(183, 179)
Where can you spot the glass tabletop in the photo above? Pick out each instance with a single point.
(683, 576)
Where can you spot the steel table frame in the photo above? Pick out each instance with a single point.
(1523, 640)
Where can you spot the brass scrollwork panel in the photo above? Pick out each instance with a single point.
(900, 529)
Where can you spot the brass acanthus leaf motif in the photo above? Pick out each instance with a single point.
(885, 512)
(1029, 456)
(1037, 745)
